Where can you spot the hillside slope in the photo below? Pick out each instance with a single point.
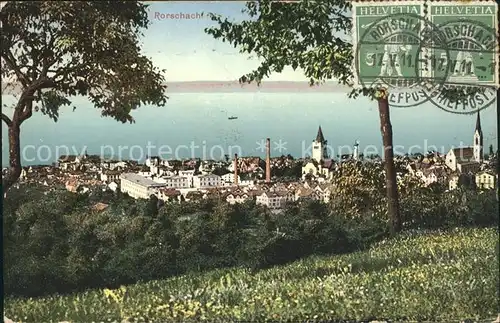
(432, 277)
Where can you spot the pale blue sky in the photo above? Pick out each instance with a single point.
(189, 54)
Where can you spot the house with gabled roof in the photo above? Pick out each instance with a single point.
(194, 196)
(109, 176)
(316, 169)
(323, 192)
(69, 161)
(169, 194)
(487, 179)
(308, 194)
(320, 165)
(99, 207)
(274, 200)
(236, 197)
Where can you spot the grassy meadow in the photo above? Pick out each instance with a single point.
(448, 276)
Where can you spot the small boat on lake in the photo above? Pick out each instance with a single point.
(232, 118)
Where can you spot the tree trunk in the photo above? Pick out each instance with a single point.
(390, 169)
(14, 171)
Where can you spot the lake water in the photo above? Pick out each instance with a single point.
(197, 125)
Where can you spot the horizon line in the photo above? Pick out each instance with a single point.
(229, 86)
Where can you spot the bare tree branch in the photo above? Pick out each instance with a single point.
(25, 103)
(6, 119)
(10, 61)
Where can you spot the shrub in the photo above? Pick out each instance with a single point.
(56, 243)
(434, 277)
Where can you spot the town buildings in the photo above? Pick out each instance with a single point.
(275, 200)
(251, 178)
(204, 181)
(467, 159)
(176, 181)
(320, 165)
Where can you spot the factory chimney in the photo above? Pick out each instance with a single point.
(268, 160)
(236, 169)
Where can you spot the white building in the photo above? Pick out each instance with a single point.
(323, 169)
(189, 174)
(248, 182)
(70, 161)
(161, 170)
(204, 181)
(109, 176)
(113, 164)
(113, 186)
(453, 182)
(274, 200)
(233, 198)
(175, 182)
(486, 180)
(319, 165)
(152, 161)
(229, 178)
(138, 186)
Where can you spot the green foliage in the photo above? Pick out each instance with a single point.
(56, 242)
(460, 207)
(302, 35)
(364, 185)
(312, 35)
(295, 171)
(152, 206)
(220, 171)
(427, 277)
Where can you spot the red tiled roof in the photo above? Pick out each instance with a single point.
(328, 163)
(170, 192)
(194, 194)
(255, 192)
(100, 206)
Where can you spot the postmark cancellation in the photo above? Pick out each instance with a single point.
(417, 48)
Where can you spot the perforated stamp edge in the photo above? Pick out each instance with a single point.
(430, 3)
(462, 1)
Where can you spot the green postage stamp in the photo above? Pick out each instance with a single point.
(471, 31)
(425, 44)
(387, 41)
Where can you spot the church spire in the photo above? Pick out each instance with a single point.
(478, 140)
(319, 136)
(478, 124)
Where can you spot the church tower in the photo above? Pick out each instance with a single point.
(319, 147)
(478, 141)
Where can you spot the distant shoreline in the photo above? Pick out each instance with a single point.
(236, 87)
(268, 87)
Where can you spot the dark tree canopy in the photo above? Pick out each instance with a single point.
(60, 49)
(311, 35)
